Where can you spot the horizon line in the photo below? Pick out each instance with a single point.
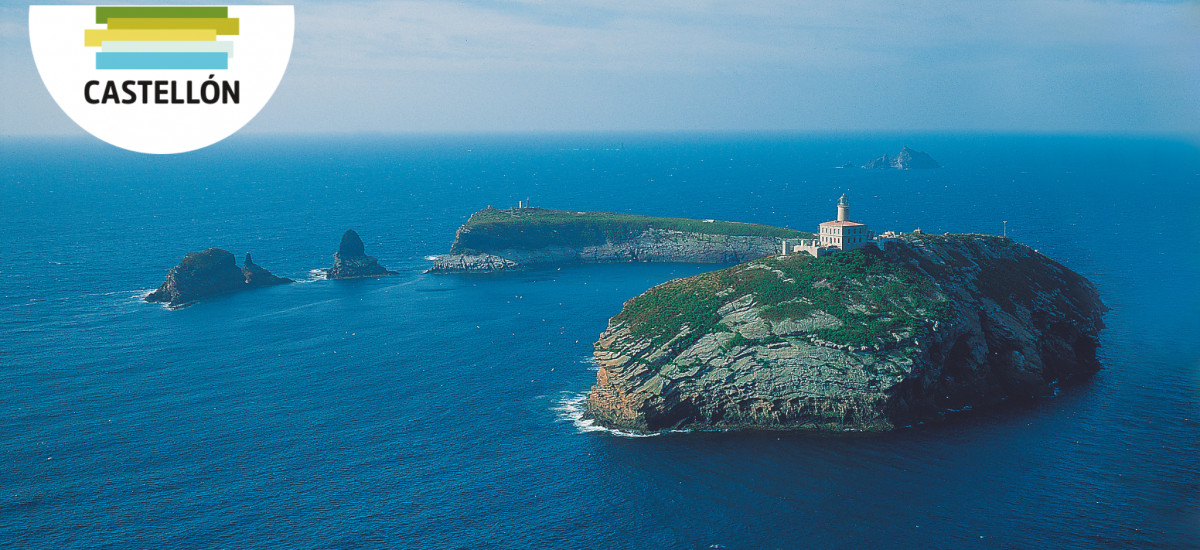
(651, 132)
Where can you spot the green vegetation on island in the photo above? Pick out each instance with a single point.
(493, 229)
(1011, 283)
(865, 339)
(872, 298)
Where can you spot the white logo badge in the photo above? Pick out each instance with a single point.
(161, 79)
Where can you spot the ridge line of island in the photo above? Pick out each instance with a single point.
(839, 330)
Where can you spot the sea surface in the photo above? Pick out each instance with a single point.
(424, 411)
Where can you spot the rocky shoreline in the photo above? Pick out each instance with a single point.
(996, 321)
(653, 245)
(352, 262)
(495, 240)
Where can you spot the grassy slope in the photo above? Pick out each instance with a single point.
(871, 296)
(533, 228)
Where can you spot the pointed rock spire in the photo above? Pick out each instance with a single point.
(351, 244)
(351, 261)
(257, 276)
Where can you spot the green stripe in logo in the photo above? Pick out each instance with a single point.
(104, 12)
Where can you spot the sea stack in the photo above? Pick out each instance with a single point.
(351, 261)
(256, 276)
(209, 273)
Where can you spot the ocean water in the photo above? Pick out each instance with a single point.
(425, 411)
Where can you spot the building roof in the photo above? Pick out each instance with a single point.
(836, 223)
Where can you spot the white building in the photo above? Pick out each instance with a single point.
(842, 233)
(839, 234)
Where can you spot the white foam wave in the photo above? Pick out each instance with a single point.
(134, 296)
(570, 409)
(314, 275)
(432, 257)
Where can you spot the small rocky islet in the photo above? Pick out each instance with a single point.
(906, 159)
(352, 262)
(213, 272)
(208, 273)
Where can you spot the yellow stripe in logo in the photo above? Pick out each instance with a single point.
(224, 27)
(95, 37)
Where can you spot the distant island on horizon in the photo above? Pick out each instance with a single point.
(906, 159)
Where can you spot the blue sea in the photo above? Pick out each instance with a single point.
(424, 411)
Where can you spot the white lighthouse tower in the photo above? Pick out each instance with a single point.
(842, 233)
(839, 234)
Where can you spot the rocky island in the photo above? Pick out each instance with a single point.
(907, 159)
(864, 339)
(518, 238)
(352, 262)
(209, 273)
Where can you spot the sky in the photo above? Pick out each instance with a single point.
(1013, 66)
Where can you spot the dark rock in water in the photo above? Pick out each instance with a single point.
(256, 276)
(908, 159)
(209, 273)
(352, 262)
(351, 244)
(199, 274)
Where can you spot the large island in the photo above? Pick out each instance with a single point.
(864, 339)
(519, 238)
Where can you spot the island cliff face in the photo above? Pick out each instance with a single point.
(209, 273)
(352, 262)
(519, 238)
(861, 340)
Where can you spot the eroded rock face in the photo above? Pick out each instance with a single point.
(351, 245)
(653, 245)
(520, 238)
(255, 276)
(985, 320)
(351, 261)
(472, 263)
(209, 273)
